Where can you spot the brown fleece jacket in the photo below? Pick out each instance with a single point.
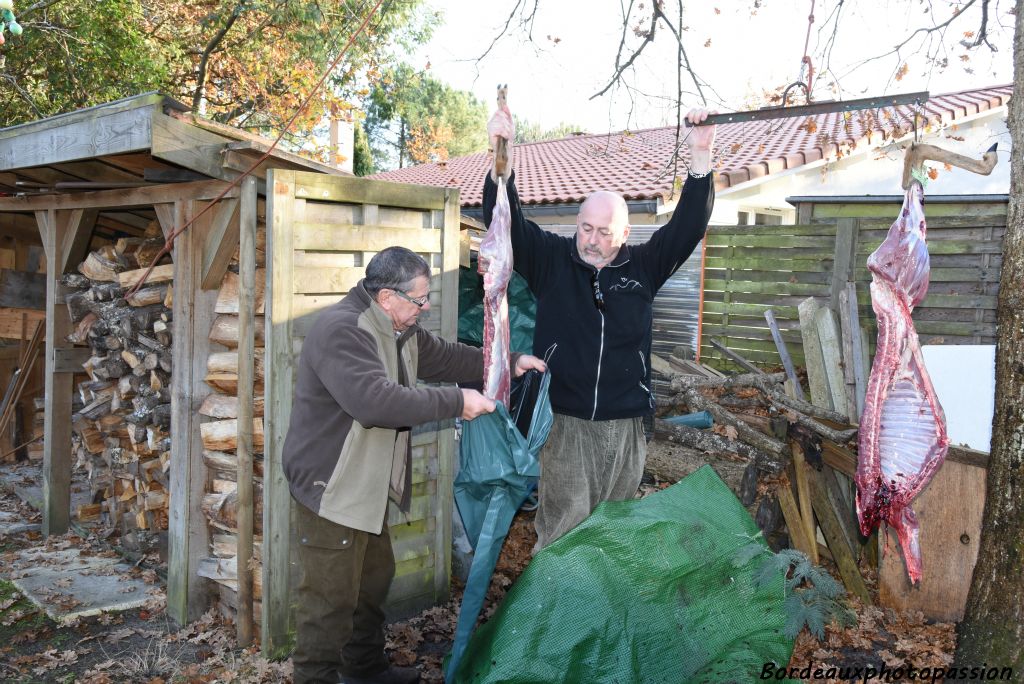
(353, 406)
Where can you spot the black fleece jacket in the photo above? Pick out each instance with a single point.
(600, 365)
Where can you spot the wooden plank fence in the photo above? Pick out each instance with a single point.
(749, 269)
(321, 233)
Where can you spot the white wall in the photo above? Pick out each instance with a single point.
(864, 173)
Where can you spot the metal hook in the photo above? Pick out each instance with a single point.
(785, 93)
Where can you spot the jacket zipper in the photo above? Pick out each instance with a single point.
(600, 357)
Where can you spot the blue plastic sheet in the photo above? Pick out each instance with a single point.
(498, 468)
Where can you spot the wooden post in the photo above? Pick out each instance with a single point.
(831, 353)
(858, 348)
(832, 530)
(780, 344)
(278, 389)
(62, 234)
(246, 352)
(847, 333)
(193, 316)
(446, 451)
(816, 379)
(794, 522)
(803, 490)
(845, 261)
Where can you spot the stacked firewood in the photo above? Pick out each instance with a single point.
(220, 440)
(34, 449)
(121, 432)
(759, 428)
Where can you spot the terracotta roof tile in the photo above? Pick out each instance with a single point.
(637, 163)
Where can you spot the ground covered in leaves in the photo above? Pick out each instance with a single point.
(142, 645)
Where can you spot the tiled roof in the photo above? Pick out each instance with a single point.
(637, 163)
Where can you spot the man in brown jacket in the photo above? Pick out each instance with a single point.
(347, 452)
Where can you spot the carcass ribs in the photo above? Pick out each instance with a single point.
(903, 438)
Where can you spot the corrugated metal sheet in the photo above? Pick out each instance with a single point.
(677, 304)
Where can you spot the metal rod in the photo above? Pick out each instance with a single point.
(816, 108)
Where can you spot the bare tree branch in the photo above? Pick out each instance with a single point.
(982, 31)
(648, 38)
(940, 28)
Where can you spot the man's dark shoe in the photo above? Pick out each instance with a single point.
(392, 675)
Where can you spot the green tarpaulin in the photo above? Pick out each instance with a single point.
(522, 310)
(659, 589)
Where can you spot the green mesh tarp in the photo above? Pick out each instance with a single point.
(660, 589)
(522, 310)
(498, 468)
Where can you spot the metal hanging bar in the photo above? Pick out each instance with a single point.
(815, 108)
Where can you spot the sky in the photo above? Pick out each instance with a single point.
(740, 47)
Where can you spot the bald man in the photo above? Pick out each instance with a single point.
(595, 299)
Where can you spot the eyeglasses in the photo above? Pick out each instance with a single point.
(598, 295)
(420, 302)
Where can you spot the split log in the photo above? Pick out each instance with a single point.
(223, 509)
(96, 267)
(227, 362)
(81, 333)
(224, 406)
(148, 295)
(79, 305)
(159, 274)
(227, 299)
(225, 331)
(222, 435)
(146, 252)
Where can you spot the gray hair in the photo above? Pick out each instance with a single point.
(394, 268)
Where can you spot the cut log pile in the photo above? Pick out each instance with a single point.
(120, 433)
(220, 440)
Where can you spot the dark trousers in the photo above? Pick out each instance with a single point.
(346, 574)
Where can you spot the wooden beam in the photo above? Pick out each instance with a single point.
(75, 246)
(165, 214)
(70, 360)
(108, 199)
(280, 378)
(246, 380)
(189, 146)
(831, 528)
(188, 531)
(221, 241)
(54, 227)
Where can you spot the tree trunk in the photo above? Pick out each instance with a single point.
(992, 631)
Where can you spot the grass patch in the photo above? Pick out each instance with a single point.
(17, 613)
